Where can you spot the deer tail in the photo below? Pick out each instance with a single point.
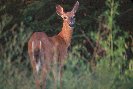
(37, 55)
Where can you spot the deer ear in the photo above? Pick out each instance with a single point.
(75, 8)
(59, 10)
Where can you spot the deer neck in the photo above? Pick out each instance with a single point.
(66, 33)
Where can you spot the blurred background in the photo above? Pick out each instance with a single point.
(101, 52)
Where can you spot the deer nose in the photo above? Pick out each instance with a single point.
(72, 21)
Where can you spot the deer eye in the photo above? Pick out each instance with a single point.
(65, 17)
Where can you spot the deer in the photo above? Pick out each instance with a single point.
(45, 51)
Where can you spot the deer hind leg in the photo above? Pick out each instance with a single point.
(60, 75)
(35, 67)
(45, 67)
(43, 72)
(35, 73)
(43, 76)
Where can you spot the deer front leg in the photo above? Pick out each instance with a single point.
(60, 75)
(55, 77)
(63, 56)
(54, 71)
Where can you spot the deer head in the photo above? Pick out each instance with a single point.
(68, 16)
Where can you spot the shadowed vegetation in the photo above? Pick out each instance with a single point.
(101, 53)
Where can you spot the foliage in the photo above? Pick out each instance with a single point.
(112, 70)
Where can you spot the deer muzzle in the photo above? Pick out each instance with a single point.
(72, 22)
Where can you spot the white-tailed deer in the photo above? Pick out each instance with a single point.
(44, 51)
